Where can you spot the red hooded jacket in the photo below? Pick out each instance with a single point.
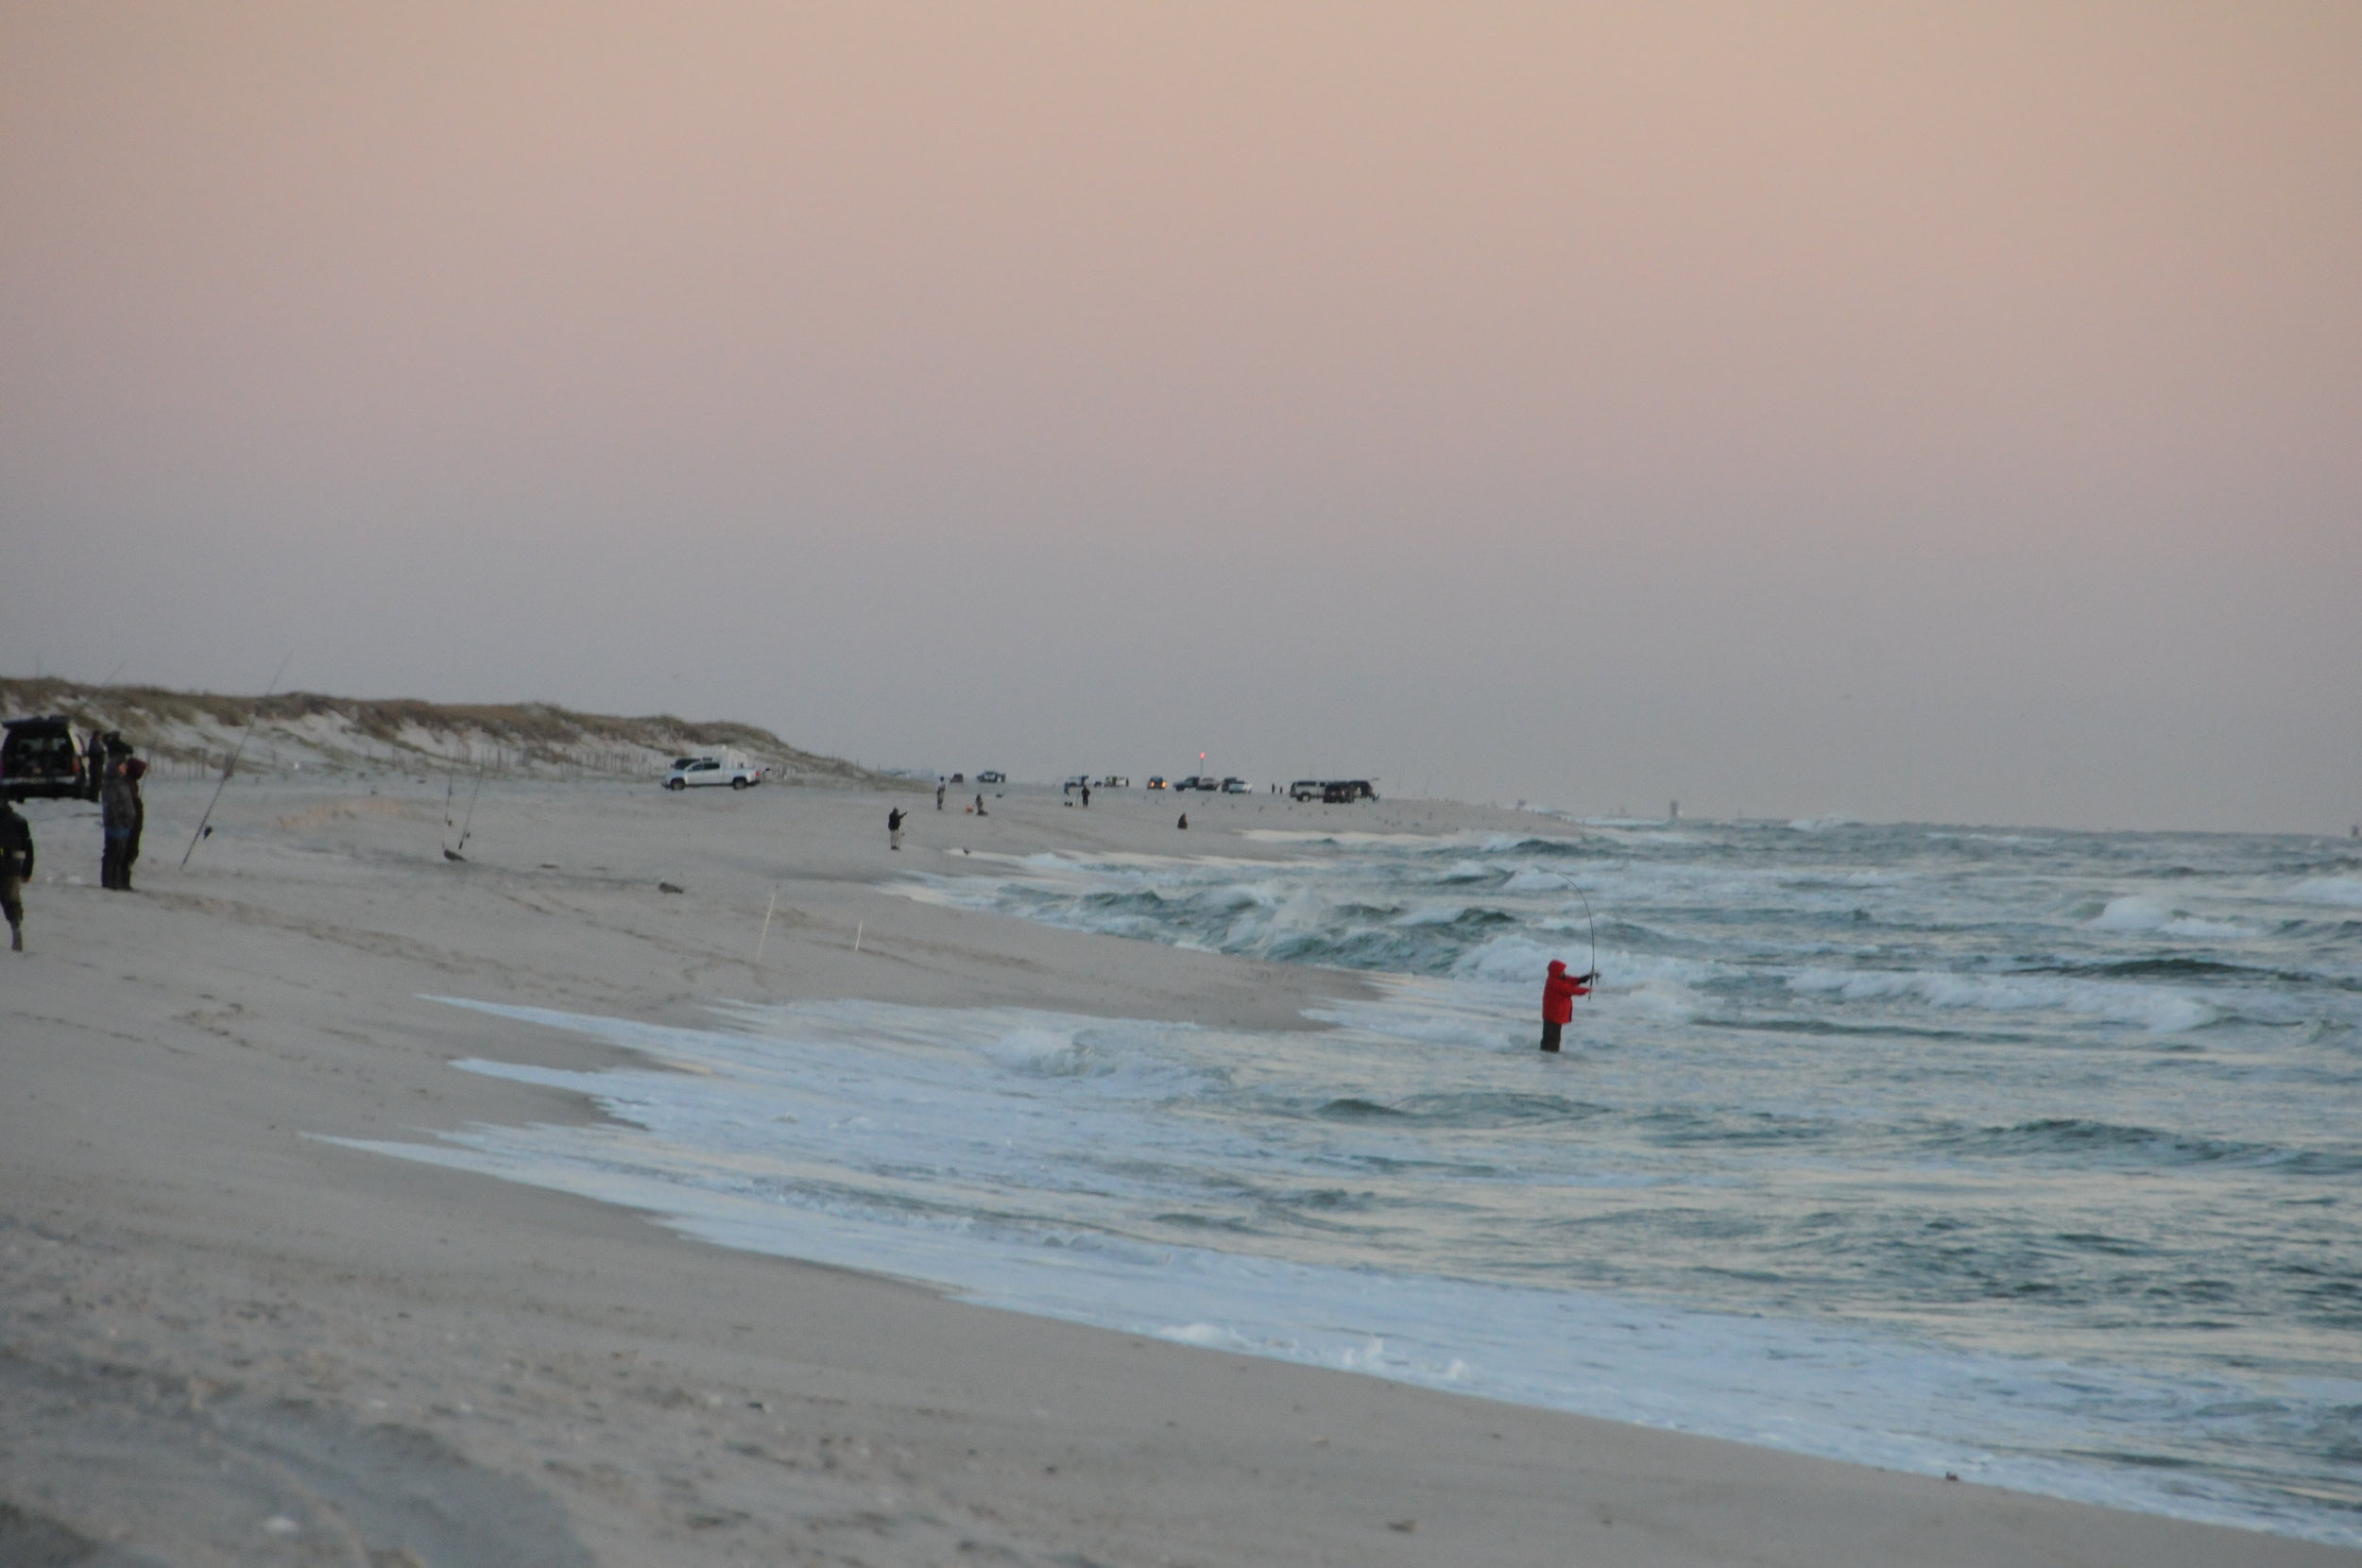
(1559, 993)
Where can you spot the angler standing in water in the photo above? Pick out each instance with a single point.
(1558, 1000)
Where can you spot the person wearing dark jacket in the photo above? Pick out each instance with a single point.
(121, 814)
(136, 770)
(16, 869)
(894, 828)
(1558, 1000)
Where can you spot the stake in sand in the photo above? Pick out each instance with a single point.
(766, 925)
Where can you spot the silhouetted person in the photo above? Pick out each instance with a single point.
(134, 770)
(120, 814)
(16, 869)
(980, 805)
(938, 794)
(1086, 797)
(1184, 823)
(894, 828)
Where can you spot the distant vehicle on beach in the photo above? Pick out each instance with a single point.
(725, 766)
(1333, 792)
(48, 758)
(1199, 781)
(1115, 781)
(1234, 786)
(992, 776)
(1305, 789)
(1156, 781)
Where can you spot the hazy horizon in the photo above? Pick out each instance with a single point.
(1916, 415)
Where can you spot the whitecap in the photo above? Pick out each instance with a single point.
(2331, 890)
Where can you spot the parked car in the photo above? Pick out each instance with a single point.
(725, 766)
(49, 757)
(1115, 781)
(1305, 789)
(992, 776)
(1234, 786)
(1199, 781)
(1156, 781)
(1080, 781)
(1344, 792)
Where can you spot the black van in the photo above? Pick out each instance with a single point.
(46, 758)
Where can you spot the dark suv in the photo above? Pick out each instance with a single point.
(46, 756)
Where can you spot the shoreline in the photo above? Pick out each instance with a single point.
(217, 1285)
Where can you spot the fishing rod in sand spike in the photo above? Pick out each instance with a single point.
(231, 766)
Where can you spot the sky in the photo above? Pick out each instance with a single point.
(1943, 413)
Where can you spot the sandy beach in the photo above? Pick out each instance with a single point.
(230, 1340)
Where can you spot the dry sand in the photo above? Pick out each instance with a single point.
(226, 1341)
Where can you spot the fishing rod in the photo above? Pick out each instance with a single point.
(1594, 924)
(231, 766)
(449, 853)
(468, 825)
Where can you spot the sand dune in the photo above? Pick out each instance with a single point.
(295, 732)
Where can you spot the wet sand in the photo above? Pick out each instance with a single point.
(226, 1341)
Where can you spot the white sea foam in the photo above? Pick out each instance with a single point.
(1308, 836)
(1042, 1162)
(2158, 1009)
(2135, 913)
(2346, 891)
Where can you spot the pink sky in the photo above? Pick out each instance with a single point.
(1910, 411)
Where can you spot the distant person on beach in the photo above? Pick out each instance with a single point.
(894, 828)
(1184, 822)
(1558, 1000)
(1087, 795)
(980, 805)
(938, 794)
(16, 869)
(120, 815)
(134, 770)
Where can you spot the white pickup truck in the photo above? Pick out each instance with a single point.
(722, 765)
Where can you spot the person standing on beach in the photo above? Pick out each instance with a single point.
(980, 805)
(1086, 794)
(120, 809)
(16, 869)
(938, 794)
(1558, 1000)
(894, 828)
(134, 770)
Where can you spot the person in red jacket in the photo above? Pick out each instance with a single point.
(1558, 1000)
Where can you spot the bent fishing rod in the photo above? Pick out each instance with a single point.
(1593, 922)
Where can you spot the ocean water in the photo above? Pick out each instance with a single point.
(2031, 1156)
